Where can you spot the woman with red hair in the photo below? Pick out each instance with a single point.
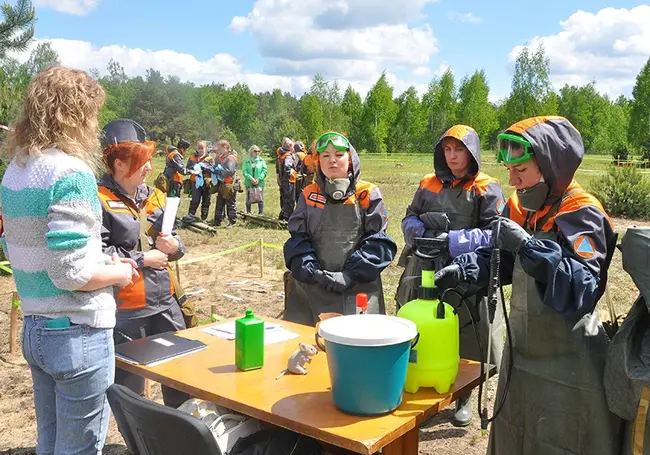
(132, 224)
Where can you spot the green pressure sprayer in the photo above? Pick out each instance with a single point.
(434, 360)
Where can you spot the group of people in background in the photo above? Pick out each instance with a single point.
(215, 171)
(210, 172)
(91, 264)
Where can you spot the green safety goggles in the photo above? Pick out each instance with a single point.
(339, 142)
(513, 149)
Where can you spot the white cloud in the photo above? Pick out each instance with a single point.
(339, 33)
(77, 7)
(351, 41)
(465, 17)
(609, 47)
(425, 71)
(221, 68)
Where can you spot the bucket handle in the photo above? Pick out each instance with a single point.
(319, 343)
(415, 340)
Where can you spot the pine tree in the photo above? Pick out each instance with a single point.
(17, 29)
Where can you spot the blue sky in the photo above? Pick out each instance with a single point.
(278, 43)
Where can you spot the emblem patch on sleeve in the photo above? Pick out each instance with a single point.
(584, 247)
(500, 206)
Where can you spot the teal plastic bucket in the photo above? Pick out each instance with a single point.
(367, 356)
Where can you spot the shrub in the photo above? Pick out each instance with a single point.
(621, 153)
(624, 191)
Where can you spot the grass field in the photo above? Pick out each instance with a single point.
(397, 176)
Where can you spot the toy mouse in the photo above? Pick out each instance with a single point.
(298, 359)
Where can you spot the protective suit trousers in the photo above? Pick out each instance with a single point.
(288, 199)
(169, 320)
(225, 205)
(200, 196)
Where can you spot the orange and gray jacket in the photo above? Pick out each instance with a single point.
(230, 164)
(154, 291)
(174, 167)
(374, 250)
(194, 159)
(571, 273)
(286, 165)
(470, 203)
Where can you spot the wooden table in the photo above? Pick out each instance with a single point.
(299, 403)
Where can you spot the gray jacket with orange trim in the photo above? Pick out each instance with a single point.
(469, 224)
(571, 273)
(174, 167)
(374, 251)
(154, 291)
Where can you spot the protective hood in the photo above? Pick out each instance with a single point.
(467, 136)
(557, 146)
(356, 171)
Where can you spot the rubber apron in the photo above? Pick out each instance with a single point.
(556, 402)
(338, 236)
(627, 371)
(461, 207)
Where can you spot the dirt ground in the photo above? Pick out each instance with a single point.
(18, 428)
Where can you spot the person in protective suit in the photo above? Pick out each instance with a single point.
(201, 182)
(457, 203)
(299, 152)
(309, 165)
(338, 245)
(226, 189)
(131, 228)
(556, 243)
(175, 168)
(285, 168)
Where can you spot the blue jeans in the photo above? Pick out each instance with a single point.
(71, 370)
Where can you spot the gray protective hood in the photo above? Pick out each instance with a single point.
(467, 136)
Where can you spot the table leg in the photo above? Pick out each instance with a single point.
(407, 444)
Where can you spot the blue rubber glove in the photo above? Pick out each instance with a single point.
(413, 228)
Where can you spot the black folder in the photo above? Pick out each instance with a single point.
(156, 348)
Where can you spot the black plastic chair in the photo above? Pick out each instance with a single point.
(149, 428)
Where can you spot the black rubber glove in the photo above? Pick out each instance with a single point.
(436, 221)
(511, 237)
(337, 282)
(449, 277)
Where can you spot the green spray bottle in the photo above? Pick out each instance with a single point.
(435, 358)
(249, 342)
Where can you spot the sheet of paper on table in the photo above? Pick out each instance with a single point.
(273, 333)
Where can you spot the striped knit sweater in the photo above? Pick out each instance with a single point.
(52, 221)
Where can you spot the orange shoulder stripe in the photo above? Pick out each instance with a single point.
(432, 183)
(363, 194)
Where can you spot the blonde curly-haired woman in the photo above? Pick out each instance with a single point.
(52, 221)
